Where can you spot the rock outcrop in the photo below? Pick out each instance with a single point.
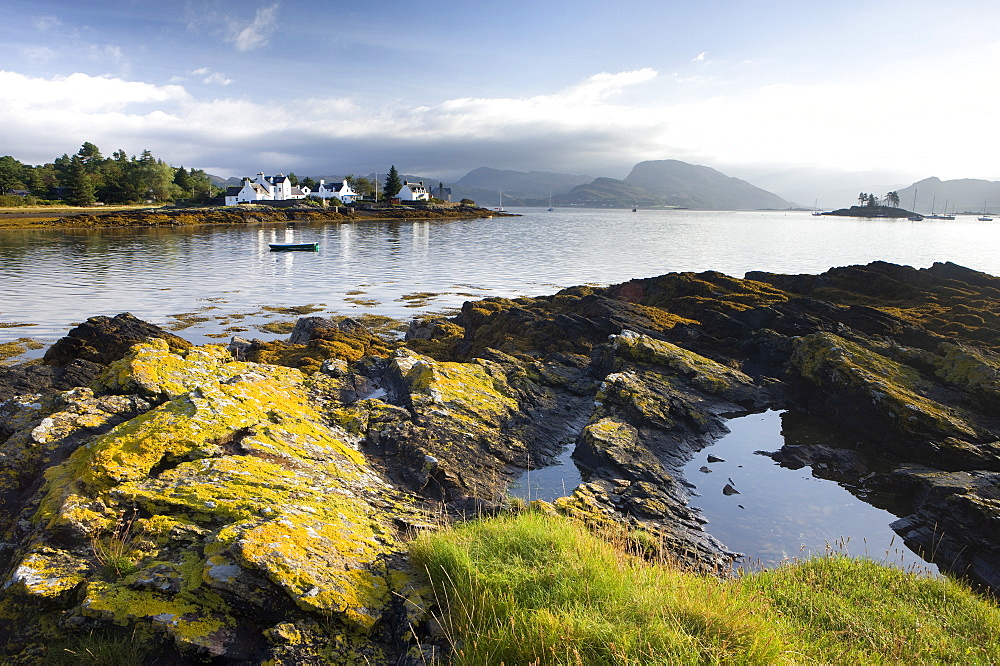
(251, 504)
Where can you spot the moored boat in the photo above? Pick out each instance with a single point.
(307, 247)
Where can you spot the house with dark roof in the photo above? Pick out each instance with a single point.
(413, 192)
(265, 188)
(441, 192)
(340, 190)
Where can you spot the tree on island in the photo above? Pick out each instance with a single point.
(392, 183)
(869, 200)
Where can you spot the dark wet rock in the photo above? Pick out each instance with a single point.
(106, 339)
(39, 378)
(714, 459)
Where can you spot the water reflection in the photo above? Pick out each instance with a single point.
(772, 513)
(56, 278)
(550, 482)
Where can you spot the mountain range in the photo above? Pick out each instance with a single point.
(965, 195)
(672, 183)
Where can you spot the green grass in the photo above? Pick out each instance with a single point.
(532, 588)
(98, 648)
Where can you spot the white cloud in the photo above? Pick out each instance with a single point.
(208, 76)
(217, 77)
(77, 96)
(46, 23)
(582, 128)
(38, 53)
(700, 57)
(256, 34)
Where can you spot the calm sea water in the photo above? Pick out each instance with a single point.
(209, 283)
(222, 277)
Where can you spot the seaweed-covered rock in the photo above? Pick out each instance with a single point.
(106, 339)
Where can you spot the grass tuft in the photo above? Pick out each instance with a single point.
(533, 588)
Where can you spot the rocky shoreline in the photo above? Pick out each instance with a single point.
(248, 214)
(252, 502)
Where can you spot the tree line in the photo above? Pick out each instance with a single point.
(869, 200)
(87, 177)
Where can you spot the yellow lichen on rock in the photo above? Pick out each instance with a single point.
(48, 572)
(320, 561)
(889, 389)
(704, 373)
(466, 390)
(193, 620)
(152, 369)
(241, 489)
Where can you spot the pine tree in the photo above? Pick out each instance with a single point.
(81, 187)
(392, 183)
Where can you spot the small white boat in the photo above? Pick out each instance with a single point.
(984, 217)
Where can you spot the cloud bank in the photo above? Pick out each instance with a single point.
(600, 125)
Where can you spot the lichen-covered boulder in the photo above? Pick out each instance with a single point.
(874, 392)
(695, 370)
(233, 506)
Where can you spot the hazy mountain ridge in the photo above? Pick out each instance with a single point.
(695, 186)
(963, 195)
(673, 183)
(652, 183)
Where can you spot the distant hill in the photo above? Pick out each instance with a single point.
(693, 186)
(673, 183)
(610, 193)
(520, 184)
(966, 195)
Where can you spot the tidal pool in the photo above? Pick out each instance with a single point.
(772, 513)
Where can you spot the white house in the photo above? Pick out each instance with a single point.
(341, 190)
(414, 192)
(264, 188)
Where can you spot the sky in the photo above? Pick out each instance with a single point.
(805, 98)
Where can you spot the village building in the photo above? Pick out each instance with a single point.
(341, 190)
(413, 192)
(265, 188)
(441, 192)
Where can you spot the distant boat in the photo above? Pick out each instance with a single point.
(984, 217)
(915, 217)
(816, 207)
(550, 201)
(284, 247)
(944, 215)
(499, 208)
